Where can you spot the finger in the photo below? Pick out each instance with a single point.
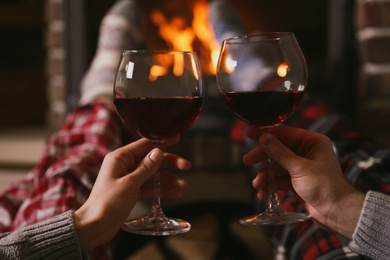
(278, 152)
(176, 162)
(293, 137)
(262, 194)
(169, 179)
(290, 136)
(170, 185)
(138, 149)
(132, 152)
(311, 145)
(260, 180)
(148, 166)
(254, 156)
(172, 180)
(257, 154)
(283, 180)
(147, 191)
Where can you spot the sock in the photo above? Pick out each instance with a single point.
(121, 29)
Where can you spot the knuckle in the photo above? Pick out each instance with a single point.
(280, 151)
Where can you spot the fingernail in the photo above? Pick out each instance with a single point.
(156, 155)
(267, 139)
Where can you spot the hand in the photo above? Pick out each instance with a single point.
(307, 164)
(120, 184)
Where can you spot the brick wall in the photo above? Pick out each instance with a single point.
(70, 39)
(373, 89)
(55, 62)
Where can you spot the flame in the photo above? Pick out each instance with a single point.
(203, 30)
(282, 69)
(194, 67)
(179, 35)
(156, 71)
(172, 30)
(230, 64)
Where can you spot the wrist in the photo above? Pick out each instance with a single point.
(87, 230)
(349, 213)
(343, 215)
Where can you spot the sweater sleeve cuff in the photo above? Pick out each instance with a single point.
(54, 238)
(371, 236)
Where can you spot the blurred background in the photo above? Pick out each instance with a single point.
(47, 45)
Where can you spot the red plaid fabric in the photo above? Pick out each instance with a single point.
(66, 172)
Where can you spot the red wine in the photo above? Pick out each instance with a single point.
(159, 118)
(264, 108)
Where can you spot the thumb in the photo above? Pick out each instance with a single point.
(278, 152)
(149, 165)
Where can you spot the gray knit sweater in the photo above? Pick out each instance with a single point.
(54, 238)
(371, 236)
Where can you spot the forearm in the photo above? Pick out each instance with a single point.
(371, 236)
(349, 212)
(340, 212)
(90, 230)
(364, 219)
(54, 238)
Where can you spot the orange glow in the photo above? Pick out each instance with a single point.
(203, 30)
(230, 65)
(194, 67)
(156, 71)
(282, 70)
(179, 35)
(176, 37)
(172, 30)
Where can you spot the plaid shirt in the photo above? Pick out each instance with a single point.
(66, 172)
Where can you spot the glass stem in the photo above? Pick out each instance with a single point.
(273, 200)
(156, 206)
(156, 211)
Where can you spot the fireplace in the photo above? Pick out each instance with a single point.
(343, 42)
(325, 31)
(81, 18)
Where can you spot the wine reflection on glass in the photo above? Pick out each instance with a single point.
(262, 78)
(158, 94)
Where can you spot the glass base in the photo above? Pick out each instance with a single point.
(156, 226)
(277, 216)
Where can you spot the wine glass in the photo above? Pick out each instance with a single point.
(158, 94)
(261, 78)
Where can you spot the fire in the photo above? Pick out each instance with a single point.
(179, 35)
(282, 69)
(203, 30)
(230, 65)
(156, 71)
(176, 37)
